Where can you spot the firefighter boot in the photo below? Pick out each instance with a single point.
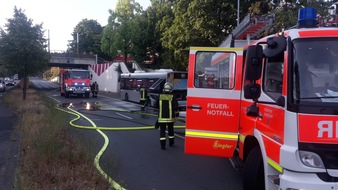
(171, 142)
(162, 144)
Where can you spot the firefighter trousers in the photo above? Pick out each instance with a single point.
(94, 93)
(143, 104)
(171, 136)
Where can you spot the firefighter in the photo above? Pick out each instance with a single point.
(168, 111)
(95, 89)
(143, 99)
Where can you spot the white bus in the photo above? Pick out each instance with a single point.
(130, 83)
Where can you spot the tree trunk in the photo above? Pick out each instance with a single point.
(24, 88)
(24, 83)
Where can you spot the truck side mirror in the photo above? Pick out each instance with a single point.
(254, 57)
(252, 91)
(275, 46)
(91, 76)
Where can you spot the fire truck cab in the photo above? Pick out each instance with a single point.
(75, 81)
(273, 106)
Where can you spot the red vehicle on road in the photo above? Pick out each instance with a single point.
(75, 81)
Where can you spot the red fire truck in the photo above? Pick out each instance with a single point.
(75, 81)
(273, 107)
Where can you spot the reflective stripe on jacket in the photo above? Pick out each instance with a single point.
(166, 112)
(143, 93)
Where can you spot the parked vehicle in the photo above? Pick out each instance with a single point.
(10, 82)
(2, 85)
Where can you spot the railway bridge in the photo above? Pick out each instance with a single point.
(69, 60)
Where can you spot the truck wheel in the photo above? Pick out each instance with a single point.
(126, 98)
(87, 95)
(67, 95)
(253, 176)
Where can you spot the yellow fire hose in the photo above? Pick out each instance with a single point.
(93, 126)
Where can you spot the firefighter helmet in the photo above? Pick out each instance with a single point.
(167, 88)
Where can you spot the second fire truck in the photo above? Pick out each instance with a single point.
(273, 105)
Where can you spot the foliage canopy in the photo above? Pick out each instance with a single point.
(23, 46)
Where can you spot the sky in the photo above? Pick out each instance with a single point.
(60, 17)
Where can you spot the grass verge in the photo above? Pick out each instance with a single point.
(49, 157)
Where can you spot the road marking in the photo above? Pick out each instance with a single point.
(179, 136)
(124, 116)
(108, 97)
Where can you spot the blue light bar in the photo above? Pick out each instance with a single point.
(307, 18)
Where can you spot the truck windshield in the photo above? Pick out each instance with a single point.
(79, 74)
(315, 70)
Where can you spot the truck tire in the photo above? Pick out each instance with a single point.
(253, 176)
(126, 98)
(67, 94)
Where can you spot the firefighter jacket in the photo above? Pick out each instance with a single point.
(143, 92)
(94, 87)
(167, 106)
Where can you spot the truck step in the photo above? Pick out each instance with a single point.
(237, 163)
(274, 179)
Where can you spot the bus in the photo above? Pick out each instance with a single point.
(130, 84)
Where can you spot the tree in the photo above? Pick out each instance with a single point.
(260, 8)
(87, 38)
(163, 13)
(287, 12)
(141, 37)
(108, 43)
(23, 47)
(146, 34)
(199, 23)
(117, 35)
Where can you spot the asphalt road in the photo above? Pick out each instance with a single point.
(134, 159)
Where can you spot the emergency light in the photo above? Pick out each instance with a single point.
(307, 18)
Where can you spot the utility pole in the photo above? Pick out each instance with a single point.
(77, 42)
(48, 42)
(237, 12)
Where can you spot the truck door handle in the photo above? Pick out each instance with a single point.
(197, 107)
